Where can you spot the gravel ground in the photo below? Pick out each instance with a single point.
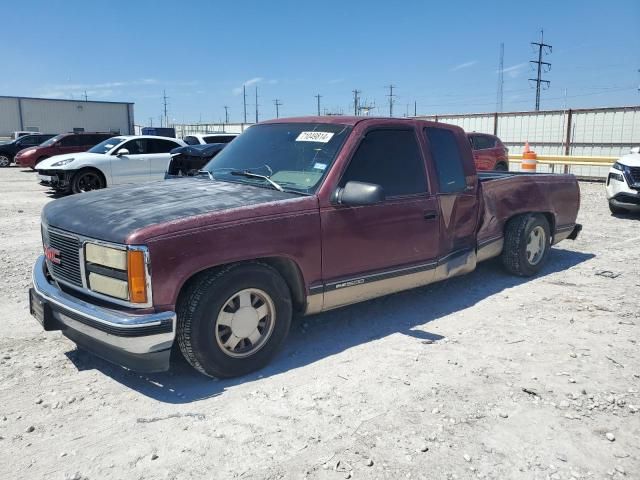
(482, 376)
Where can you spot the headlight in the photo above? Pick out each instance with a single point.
(62, 162)
(618, 166)
(119, 273)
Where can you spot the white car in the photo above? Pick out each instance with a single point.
(116, 161)
(623, 184)
(204, 138)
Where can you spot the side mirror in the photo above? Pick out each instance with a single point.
(359, 193)
(122, 152)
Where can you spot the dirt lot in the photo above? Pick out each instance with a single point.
(483, 376)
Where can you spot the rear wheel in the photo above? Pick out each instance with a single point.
(616, 210)
(87, 180)
(527, 242)
(232, 321)
(5, 160)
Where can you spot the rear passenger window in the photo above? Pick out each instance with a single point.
(69, 141)
(391, 159)
(483, 142)
(160, 146)
(191, 140)
(447, 159)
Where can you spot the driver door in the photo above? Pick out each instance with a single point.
(133, 167)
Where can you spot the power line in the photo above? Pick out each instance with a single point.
(499, 103)
(541, 66)
(356, 101)
(391, 95)
(318, 97)
(278, 104)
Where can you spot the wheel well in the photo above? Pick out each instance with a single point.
(548, 215)
(93, 169)
(286, 267)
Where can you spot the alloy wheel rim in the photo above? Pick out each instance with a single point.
(536, 245)
(88, 182)
(245, 322)
(4, 161)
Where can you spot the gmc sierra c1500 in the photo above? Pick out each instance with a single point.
(295, 216)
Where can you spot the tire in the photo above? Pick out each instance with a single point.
(86, 180)
(5, 160)
(617, 210)
(527, 242)
(210, 325)
(501, 167)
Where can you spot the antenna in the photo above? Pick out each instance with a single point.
(244, 101)
(541, 66)
(391, 95)
(500, 80)
(256, 104)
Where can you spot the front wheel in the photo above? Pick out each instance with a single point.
(87, 180)
(527, 242)
(5, 160)
(233, 320)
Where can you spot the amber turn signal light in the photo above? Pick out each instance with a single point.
(137, 277)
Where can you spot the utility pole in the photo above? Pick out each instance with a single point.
(164, 102)
(244, 101)
(542, 67)
(85, 96)
(256, 104)
(318, 97)
(226, 114)
(151, 121)
(415, 108)
(391, 95)
(278, 104)
(356, 101)
(500, 80)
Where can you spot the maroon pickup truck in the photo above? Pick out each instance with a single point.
(295, 216)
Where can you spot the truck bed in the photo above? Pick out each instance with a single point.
(505, 194)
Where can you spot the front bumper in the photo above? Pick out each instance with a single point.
(622, 191)
(141, 342)
(58, 179)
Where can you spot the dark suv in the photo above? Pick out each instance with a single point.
(60, 144)
(8, 150)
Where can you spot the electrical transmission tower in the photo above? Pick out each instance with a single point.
(356, 101)
(164, 103)
(318, 97)
(244, 101)
(500, 80)
(391, 95)
(542, 67)
(278, 104)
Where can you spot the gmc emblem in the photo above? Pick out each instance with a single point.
(52, 254)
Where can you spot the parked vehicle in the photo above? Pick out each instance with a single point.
(59, 145)
(204, 138)
(159, 131)
(115, 161)
(189, 160)
(21, 133)
(623, 184)
(296, 215)
(9, 150)
(489, 153)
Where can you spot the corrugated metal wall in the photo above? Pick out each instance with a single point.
(189, 129)
(58, 116)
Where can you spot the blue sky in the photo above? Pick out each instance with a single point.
(442, 55)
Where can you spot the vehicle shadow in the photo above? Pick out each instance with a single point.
(314, 338)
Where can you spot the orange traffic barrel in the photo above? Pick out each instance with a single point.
(529, 159)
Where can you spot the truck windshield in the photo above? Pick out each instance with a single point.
(294, 155)
(106, 145)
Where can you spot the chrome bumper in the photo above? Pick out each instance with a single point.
(141, 342)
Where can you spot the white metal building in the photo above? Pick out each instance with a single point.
(59, 116)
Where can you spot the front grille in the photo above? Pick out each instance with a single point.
(634, 173)
(68, 270)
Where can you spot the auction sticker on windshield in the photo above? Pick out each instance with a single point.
(320, 137)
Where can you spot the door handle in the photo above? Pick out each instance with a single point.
(430, 214)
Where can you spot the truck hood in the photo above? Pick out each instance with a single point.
(47, 164)
(116, 214)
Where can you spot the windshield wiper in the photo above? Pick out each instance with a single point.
(248, 174)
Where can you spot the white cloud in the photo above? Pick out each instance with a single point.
(248, 83)
(464, 65)
(514, 70)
